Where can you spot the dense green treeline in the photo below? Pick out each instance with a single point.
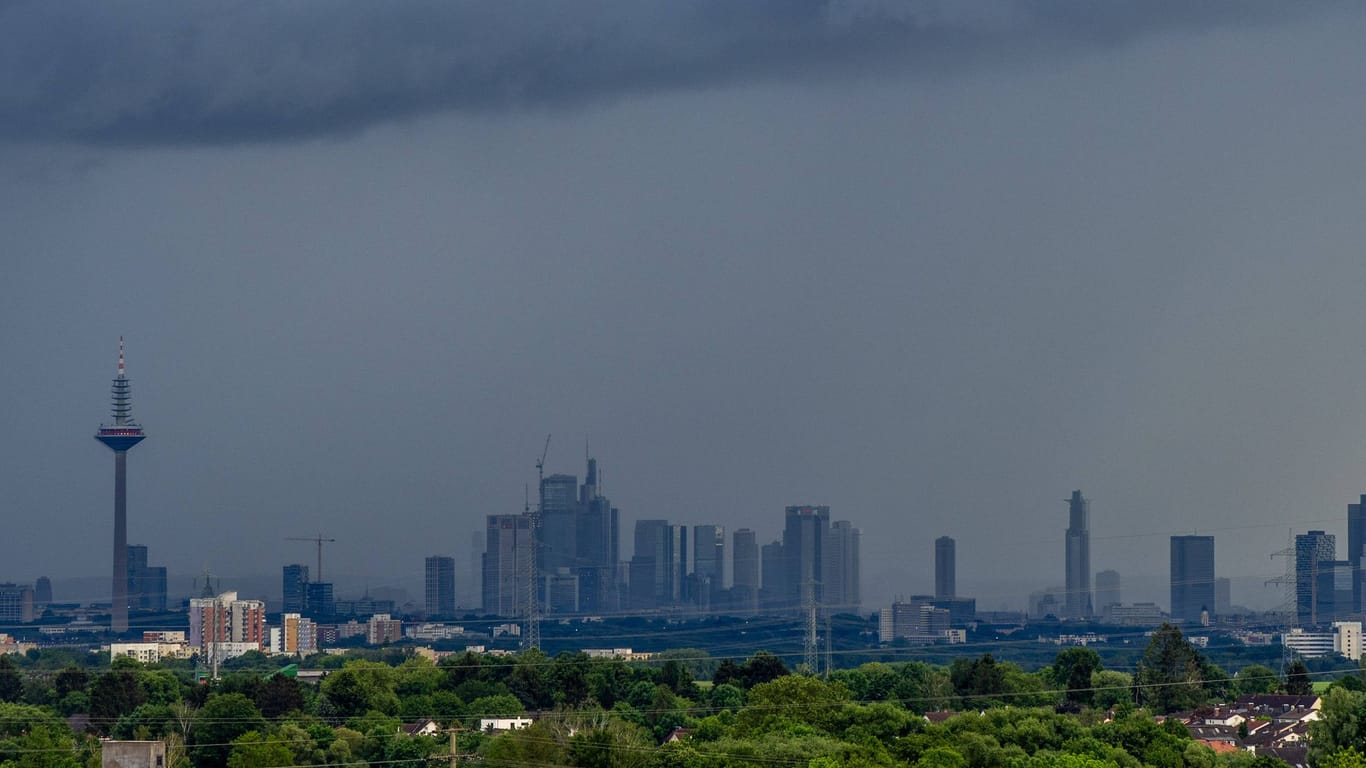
(600, 713)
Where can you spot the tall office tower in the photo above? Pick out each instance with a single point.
(295, 588)
(1223, 596)
(773, 569)
(1192, 576)
(658, 569)
(1356, 543)
(804, 532)
(1107, 589)
(319, 601)
(1315, 552)
(559, 523)
(644, 591)
(945, 572)
(597, 551)
(16, 603)
(508, 544)
(137, 576)
(122, 435)
(745, 567)
(469, 590)
(840, 577)
(42, 593)
(1077, 602)
(709, 564)
(440, 583)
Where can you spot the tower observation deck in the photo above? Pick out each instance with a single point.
(123, 434)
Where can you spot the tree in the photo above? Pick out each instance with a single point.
(223, 717)
(792, 699)
(1168, 677)
(1297, 682)
(762, 667)
(978, 681)
(360, 687)
(252, 750)
(279, 695)
(115, 693)
(1073, 670)
(1256, 678)
(11, 685)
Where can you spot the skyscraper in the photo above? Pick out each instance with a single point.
(440, 585)
(1356, 542)
(295, 588)
(1315, 552)
(1077, 601)
(119, 438)
(1107, 589)
(841, 588)
(944, 568)
(745, 566)
(709, 564)
(508, 545)
(773, 574)
(804, 532)
(1192, 576)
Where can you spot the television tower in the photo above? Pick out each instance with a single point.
(123, 434)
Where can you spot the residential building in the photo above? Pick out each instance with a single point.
(227, 619)
(1192, 577)
(383, 629)
(1347, 639)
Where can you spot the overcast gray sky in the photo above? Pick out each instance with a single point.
(934, 264)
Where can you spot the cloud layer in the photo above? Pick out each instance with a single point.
(146, 72)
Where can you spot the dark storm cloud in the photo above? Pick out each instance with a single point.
(224, 72)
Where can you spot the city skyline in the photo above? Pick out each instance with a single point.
(932, 269)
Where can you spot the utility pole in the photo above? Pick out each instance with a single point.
(812, 654)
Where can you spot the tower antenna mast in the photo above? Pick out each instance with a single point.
(119, 437)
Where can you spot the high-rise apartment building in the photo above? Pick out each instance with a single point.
(295, 588)
(440, 585)
(945, 573)
(1077, 600)
(507, 547)
(1107, 590)
(297, 635)
(745, 567)
(1315, 553)
(1192, 577)
(804, 535)
(841, 592)
(227, 619)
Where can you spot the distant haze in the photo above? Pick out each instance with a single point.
(934, 264)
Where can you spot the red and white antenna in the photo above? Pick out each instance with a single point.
(121, 371)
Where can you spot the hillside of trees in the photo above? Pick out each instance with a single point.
(598, 713)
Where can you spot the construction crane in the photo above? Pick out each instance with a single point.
(531, 633)
(319, 540)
